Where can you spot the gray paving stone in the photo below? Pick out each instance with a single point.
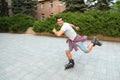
(32, 57)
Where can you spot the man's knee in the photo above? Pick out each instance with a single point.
(67, 51)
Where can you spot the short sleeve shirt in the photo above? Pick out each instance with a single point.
(68, 31)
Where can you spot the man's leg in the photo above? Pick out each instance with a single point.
(83, 47)
(68, 54)
(71, 61)
(88, 48)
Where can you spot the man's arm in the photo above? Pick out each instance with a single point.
(75, 27)
(58, 33)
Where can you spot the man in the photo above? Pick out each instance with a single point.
(74, 40)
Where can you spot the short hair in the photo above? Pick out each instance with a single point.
(58, 18)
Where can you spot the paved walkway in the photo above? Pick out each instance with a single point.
(31, 57)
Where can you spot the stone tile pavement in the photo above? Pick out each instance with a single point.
(32, 57)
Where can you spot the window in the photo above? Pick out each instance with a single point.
(51, 15)
(61, 3)
(51, 4)
(42, 16)
(42, 5)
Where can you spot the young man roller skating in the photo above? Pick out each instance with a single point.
(74, 40)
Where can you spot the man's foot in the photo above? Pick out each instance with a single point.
(70, 64)
(95, 41)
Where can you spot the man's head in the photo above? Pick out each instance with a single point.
(60, 21)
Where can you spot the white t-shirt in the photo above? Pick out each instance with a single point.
(68, 31)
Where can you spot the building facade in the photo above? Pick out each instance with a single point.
(47, 8)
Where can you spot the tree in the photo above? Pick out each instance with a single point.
(74, 5)
(117, 5)
(100, 4)
(4, 10)
(82, 5)
(23, 6)
(104, 4)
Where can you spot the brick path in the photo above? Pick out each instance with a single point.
(31, 57)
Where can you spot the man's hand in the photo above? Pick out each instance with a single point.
(54, 30)
(58, 33)
(77, 28)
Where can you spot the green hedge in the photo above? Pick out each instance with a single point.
(17, 23)
(45, 25)
(90, 22)
(4, 24)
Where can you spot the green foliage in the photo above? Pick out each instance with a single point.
(4, 8)
(74, 5)
(44, 25)
(103, 5)
(4, 24)
(17, 23)
(117, 5)
(90, 22)
(21, 22)
(81, 5)
(24, 7)
(112, 24)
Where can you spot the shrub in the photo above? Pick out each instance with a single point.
(44, 25)
(21, 22)
(17, 23)
(90, 22)
(5, 23)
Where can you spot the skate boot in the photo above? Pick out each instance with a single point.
(95, 41)
(70, 64)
